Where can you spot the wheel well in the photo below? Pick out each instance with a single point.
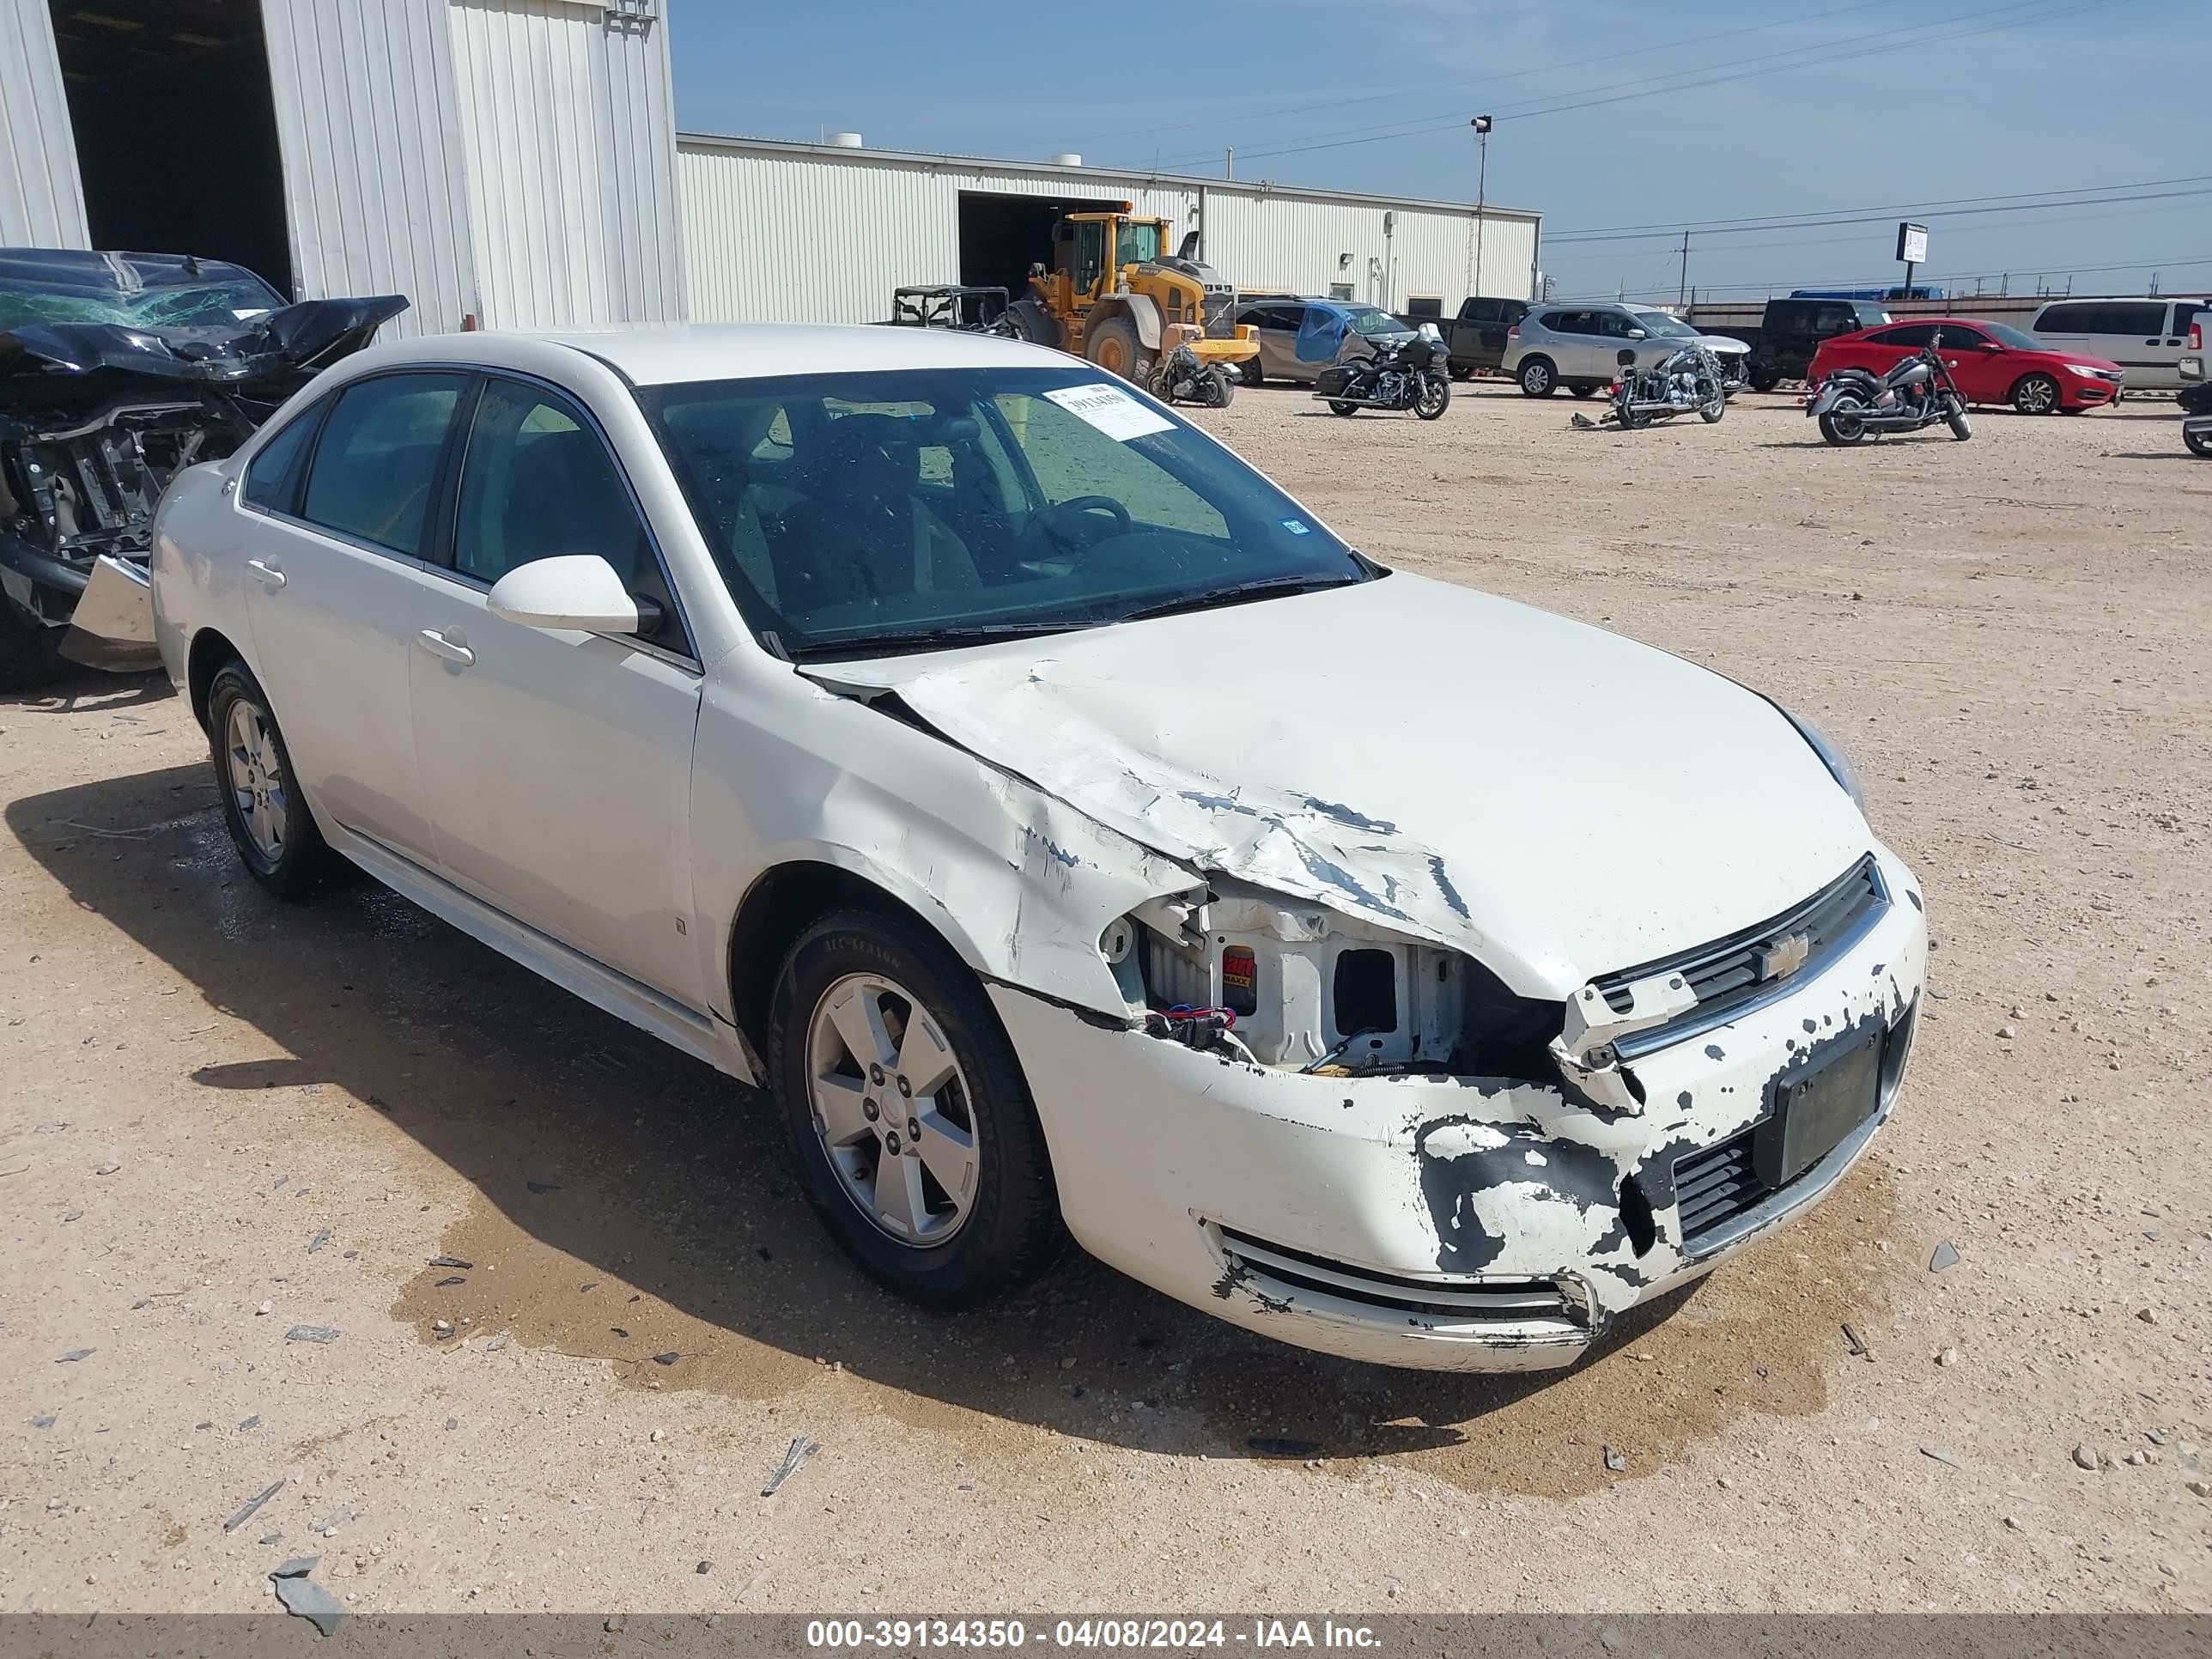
(772, 916)
(210, 650)
(1538, 357)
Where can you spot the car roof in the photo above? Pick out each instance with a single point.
(726, 351)
(116, 271)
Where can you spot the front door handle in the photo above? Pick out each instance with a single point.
(267, 575)
(438, 645)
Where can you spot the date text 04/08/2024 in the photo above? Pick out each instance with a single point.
(1117, 1634)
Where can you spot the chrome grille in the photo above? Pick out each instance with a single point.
(1726, 976)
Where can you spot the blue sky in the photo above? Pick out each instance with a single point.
(1810, 105)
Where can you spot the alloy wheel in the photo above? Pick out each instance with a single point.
(256, 778)
(891, 1108)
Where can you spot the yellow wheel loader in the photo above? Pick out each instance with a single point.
(1113, 296)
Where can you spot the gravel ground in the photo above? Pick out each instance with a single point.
(224, 1123)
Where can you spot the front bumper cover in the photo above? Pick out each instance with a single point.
(1463, 1223)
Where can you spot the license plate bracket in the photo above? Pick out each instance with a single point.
(1815, 1113)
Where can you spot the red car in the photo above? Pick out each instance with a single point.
(1992, 362)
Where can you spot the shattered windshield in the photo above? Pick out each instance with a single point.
(113, 290)
(859, 514)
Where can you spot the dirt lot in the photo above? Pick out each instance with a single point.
(221, 1119)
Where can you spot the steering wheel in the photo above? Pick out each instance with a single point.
(1048, 524)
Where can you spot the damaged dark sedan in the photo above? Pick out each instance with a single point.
(116, 372)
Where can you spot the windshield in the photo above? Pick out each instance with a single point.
(1369, 321)
(1138, 242)
(2005, 335)
(1661, 326)
(167, 300)
(852, 514)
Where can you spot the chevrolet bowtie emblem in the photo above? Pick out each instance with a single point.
(1778, 958)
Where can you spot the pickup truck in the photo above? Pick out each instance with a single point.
(1476, 338)
(1784, 338)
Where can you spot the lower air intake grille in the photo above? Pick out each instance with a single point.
(1505, 1301)
(1715, 1185)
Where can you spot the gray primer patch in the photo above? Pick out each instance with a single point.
(1444, 885)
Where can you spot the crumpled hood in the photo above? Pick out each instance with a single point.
(1558, 800)
(282, 343)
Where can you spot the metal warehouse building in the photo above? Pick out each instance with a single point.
(822, 233)
(515, 163)
(507, 161)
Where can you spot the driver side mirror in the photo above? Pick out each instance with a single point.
(578, 591)
(1638, 334)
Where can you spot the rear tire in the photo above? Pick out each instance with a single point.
(1002, 1225)
(1250, 373)
(2036, 394)
(1538, 378)
(2200, 443)
(1217, 389)
(1845, 424)
(1584, 388)
(269, 819)
(1765, 380)
(1033, 323)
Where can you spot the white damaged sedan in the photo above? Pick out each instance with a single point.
(1068, 832)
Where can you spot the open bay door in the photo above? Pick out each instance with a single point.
(41, 195)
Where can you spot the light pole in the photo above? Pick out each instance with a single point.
(1481, 124)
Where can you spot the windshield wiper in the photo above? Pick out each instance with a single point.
(936, 639)
(1243, 593)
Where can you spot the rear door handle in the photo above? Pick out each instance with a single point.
(438, 645)
(267, 575)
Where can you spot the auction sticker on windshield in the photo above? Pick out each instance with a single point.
(1111, 410)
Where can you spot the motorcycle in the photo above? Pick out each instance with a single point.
(2196, 418)
(1691, 379)
(1412, 375)
(1919, 392)
(1182, 378)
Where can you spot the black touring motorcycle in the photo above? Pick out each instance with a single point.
(1410, 375)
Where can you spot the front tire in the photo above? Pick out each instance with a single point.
(1764, 379)
(268, 818)
(1343, 408)
(1433, 398)
(1538, 378)
(1584, 388)
(1113, 345)
(1250, 373)
(2036, 394)
(30, 652)
(1954, 416)
(2200, 443)
(880, 1033)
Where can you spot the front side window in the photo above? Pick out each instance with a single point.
(1139, 243)
(921, 507)
(538, 482)
(378, 457)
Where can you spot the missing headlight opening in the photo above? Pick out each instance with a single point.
(1313, 990)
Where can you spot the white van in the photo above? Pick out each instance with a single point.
(2145, 336)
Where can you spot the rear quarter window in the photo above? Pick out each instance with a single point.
(272, 476)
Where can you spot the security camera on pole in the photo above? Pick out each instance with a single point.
(1481, 123)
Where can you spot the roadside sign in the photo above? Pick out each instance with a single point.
(1913, 244)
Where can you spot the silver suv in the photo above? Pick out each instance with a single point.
(1578, 345)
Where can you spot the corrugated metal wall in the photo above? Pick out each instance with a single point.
(41, 196)
(806, 237)
(374, 168)
(566, 124)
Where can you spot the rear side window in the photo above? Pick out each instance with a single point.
(2186, 311)
(378, 458)
(1906, 334)
(2143, 317)
(272, 476)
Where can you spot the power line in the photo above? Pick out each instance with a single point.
(1523, 75)
(1813, 218)
(1348, 137)
(1884, 218)
(1888, 279)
